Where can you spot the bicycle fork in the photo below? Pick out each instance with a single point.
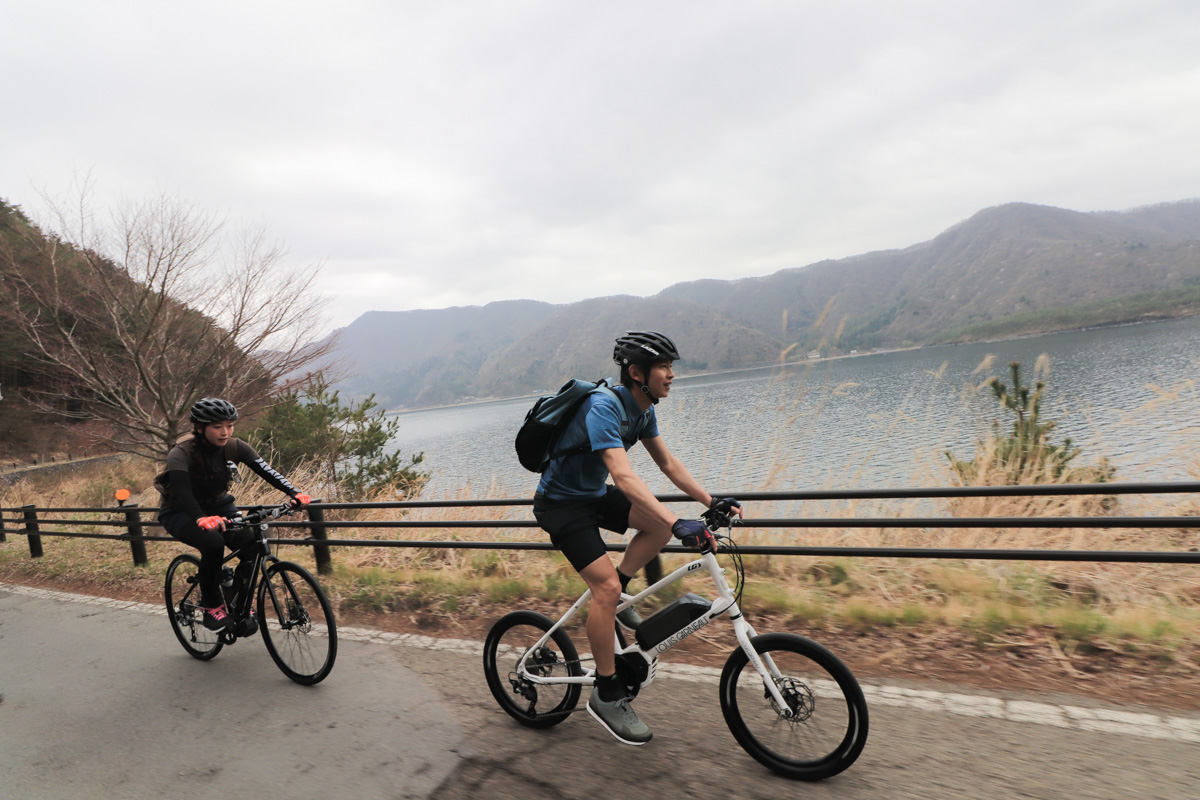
(763, 663)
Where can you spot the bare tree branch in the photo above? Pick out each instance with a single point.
(135, 317)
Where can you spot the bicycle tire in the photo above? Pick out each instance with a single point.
(828, 730)
(182, 595)
(507, 641)
(297, 623)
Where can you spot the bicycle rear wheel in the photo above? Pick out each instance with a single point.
(182, 594)
(827, 727)
(531, 704)
(297, 623)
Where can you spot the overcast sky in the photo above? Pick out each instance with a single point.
(455, 153)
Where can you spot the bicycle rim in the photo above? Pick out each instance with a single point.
(181, 591)
(297, 623)
(533, 705)
(827, 727)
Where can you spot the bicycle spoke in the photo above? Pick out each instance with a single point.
(511, 640)
(824, 726)
(184, 613)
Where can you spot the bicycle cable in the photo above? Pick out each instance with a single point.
(739, 570)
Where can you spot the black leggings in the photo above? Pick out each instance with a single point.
(211, 544)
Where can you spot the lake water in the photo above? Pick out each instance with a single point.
(873, 421)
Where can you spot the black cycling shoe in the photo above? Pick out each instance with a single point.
(216, 619)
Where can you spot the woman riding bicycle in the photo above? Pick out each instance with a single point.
(196, 499)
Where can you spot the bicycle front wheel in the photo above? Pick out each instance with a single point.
(182, 594)
(531, 704)
(825, 728)
(297, 623)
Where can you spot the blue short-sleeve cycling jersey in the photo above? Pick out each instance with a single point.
(598, 422)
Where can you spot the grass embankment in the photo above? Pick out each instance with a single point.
(1150, 608)
(1142, 307)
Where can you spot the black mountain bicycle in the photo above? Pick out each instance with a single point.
(282, 599)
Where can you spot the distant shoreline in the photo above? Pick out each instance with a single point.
(809, 362)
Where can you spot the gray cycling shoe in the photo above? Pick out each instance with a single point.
(630, 619)
(619, 719)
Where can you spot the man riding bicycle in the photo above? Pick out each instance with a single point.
(196, 499)
(574, 501)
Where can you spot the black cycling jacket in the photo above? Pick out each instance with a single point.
(198, 477)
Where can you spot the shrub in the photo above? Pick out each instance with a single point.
(347, 443)
(1025, 454)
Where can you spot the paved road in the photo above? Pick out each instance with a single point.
(104, 702)
(925, 744)
(101, 702)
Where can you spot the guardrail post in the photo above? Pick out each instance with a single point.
(31, 530)
(654, 571)
(316, 518)
(133, 518)
(3, 527)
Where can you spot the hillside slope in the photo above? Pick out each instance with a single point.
(1013, 268)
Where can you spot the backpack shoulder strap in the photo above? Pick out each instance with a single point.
(611, 392)
(586, 447)
(195, 462)
(602, 386)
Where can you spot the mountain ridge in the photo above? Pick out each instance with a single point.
(1035, 264)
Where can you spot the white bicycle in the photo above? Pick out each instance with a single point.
(789, 702)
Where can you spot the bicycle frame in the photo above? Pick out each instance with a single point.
(726, 603)
(263, 558)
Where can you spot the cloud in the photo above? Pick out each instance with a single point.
(455, 153)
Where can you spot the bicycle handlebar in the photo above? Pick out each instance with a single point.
(714, 520)
(259, 514)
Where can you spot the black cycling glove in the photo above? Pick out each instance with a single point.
(693, 533)
(719, 512)
(725, 504)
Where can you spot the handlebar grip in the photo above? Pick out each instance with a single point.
(714, 520)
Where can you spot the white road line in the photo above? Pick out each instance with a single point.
(1123, 723)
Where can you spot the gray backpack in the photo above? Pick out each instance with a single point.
(545, 422)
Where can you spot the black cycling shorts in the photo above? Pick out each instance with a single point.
(574, 525)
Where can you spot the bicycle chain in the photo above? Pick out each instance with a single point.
(557, 662)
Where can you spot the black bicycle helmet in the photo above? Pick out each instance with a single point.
(213, 409)
(644, 348)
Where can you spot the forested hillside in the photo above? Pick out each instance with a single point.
(23, 429)
(119, 322)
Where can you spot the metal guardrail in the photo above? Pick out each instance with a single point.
(30, 524)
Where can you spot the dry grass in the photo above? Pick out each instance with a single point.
(1086, 604)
